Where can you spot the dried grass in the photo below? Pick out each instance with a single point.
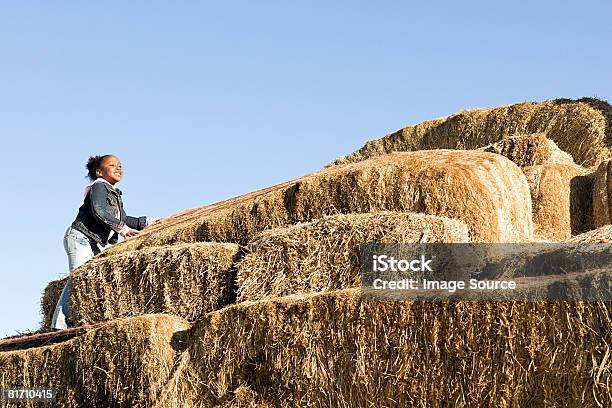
(583, 269)
(602, 191)
(601, 235)
(587, 285)
(561, 200)
(325, 254)
(485, 190)
(530, 150)
(125, 363)
(244, 397)
(336, 349)
(49, 300)
(186, 280)
(582, 128)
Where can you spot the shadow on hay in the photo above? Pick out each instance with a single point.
(581, 208)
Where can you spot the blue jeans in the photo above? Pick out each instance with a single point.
(79, 249)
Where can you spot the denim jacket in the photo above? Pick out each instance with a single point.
(102, 212)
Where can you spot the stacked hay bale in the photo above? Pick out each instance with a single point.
(561, 200)
(580, 260)
(582, 128)
(326, 254)
(485, 190)
(300, 333)
(186, 280)
(125, 363)
(190, 280)
(561, 191)
(336, 349)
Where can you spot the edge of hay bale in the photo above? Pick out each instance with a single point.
(325, 254)
(602, 191)
(124, 363)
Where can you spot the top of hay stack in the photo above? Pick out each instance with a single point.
(582, 127)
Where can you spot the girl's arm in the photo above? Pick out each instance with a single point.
(105, 211)
(138, 223)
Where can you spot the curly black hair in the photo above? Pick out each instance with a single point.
(93, 164)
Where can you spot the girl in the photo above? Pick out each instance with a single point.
(100, 220)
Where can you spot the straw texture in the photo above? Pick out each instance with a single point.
(530, 150)
(336, 349)
(326, 254)
(602, 190)
(561, 200)
(186, 280)
(126, 363)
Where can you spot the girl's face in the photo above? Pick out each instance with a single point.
(110, 170)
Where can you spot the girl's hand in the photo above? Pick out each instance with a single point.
(127, 232)
(131, 233)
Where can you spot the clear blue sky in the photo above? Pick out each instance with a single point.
(206, 100)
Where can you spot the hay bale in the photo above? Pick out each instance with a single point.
(49, 301)
(601, 235)
(561, 200)
(587, 285)
(186, 280)
(545, 259)
(602, 191)
(337, 349)
(125, 363)
(485, 190)
(582, 128)
(325, 254)
(530, 150)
